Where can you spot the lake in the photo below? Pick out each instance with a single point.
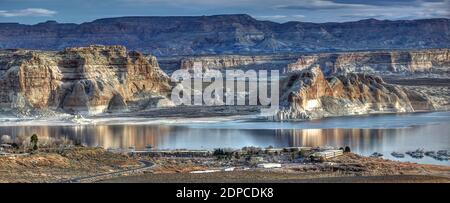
(382, 133)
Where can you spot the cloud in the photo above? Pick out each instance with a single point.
(322, 5)
(383, 2)
(280, 18)
(382, 9)
(27, 12)
(348, 9)
(364, 15)
(418, 9)
(274, 10)
(271, 17)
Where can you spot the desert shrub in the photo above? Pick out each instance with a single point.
(252, 150)
(34, 142)
(293, 156)
(223, 153)
(218, 152)
(15, 145)
(303, 153)
(347, 149)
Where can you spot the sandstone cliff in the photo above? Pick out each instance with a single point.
(379, 62)
(222, 62)
(90, 80)
(427, 60)
(309, 94)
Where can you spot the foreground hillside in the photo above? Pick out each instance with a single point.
(95, 164)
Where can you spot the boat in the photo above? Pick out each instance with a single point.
(441, 158)
(376, 155)
(443, 152)
(430, 154)
(442, 155)
(398, 155)
(417, 154)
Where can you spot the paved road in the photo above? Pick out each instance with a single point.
(146, 165)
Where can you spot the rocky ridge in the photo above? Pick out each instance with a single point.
(83, 80)
(384, 62)
(376, 62)
(223, 62)
(228, 34)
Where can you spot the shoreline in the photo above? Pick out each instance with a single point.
(109, 119)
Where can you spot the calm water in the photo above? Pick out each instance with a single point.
(364, 134)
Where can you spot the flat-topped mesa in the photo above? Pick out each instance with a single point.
(426, 60)
(308, 94)
(228, 34)
(90, 80)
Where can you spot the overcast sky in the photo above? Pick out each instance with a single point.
(78, 11)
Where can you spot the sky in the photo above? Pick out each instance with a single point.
(79, 11)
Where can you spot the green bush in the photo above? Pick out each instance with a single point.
(222, 153)
(302, 153)
(34, 142)
(347, 149)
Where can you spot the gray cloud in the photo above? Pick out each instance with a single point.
(381, 9)
(280, 17)
(27, 12)
(384, 2)
(363, 15)
(322, 5)
(274, 10)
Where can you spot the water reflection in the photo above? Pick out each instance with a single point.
(358, 139)
(431, 136)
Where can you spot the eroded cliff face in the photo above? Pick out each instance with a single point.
(308, 94)
(427, 60)
(223, 62)
(90, 80)
(379, 62)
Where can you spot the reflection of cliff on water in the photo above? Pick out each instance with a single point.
(357, 139)
(107, 136)
(118, 136)
(400, 137)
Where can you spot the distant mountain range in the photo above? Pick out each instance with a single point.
(228, 34)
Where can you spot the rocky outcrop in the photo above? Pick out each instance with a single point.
(223, 62)
(379, 62)
(90, 80)
(309, 94)
(427, 60)
(228, 34)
